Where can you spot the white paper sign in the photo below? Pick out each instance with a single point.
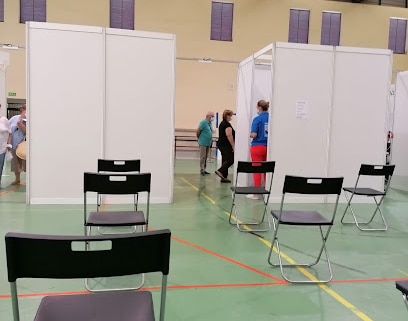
(302, 109)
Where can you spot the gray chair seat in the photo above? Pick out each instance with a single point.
(249, 190)
(116, 218)
(301, 218)
(402, 286)
(119, 306)
(363, 191)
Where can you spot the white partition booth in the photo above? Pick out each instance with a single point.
(399, 151)
(97, 93)
(254, 84)
(4, 63)
(328, 112)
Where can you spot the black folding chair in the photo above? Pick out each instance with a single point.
(64, 257)
(403, 287)
(267, 167)
(385, 172)
(307, 218)
(119, 166)
(116, 184)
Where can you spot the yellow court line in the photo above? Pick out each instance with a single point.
(305, 272)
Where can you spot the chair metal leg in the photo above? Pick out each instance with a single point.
(240, 224)
(232, 210)
(115, 289)
(404, 297)
(133, 229)
(88, 231)
(296, 265)
(359, 223)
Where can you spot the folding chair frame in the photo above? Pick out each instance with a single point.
(119, 166)
(52, 257)
(251, 168)
(305, 185)
(116, 184)
(369, 170)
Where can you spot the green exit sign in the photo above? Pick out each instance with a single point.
(11, 94)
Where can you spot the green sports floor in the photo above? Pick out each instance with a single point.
(220, 274)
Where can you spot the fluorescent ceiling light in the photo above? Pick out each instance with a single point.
(9, 46)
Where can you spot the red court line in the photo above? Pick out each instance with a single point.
(12, 189)
(151, 288)
(206, 286)
(229, 260)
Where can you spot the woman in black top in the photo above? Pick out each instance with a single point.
(226, 145)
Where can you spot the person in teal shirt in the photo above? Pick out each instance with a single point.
(204, 134)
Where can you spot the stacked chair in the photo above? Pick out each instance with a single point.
(116, 177)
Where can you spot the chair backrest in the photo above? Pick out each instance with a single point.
(376, 170)
(256, 167)
(118, 166)
(53, 256)
(65, 257)
(313, 185)
(105, 183)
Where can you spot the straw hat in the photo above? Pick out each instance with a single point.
(21, 150)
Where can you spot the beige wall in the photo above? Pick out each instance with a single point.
(202, 87)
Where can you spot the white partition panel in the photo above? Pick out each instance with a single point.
(140, 104)
(301, 99)
(399, 153)
(254, 83)
(360, 106)
(244, 96)
(97, 93)
(65, 109)
(4, 63)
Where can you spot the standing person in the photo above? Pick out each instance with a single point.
(259, 135)
(226, 145)
(5, 132)
(204, 135)
(18, 132)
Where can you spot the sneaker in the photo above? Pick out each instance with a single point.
(225, 180)
(220, 175)
(202, 173)
(253, 196)
(206, 173)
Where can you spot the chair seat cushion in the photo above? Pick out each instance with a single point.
(301, 218)
(249, 190)
(402, 286)
(107, 306)
(364, 191)
(116, 218)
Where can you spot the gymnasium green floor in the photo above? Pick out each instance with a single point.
(218, 273)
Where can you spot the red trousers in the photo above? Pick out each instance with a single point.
(258, 153)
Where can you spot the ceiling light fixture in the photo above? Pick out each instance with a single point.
(9, 46)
